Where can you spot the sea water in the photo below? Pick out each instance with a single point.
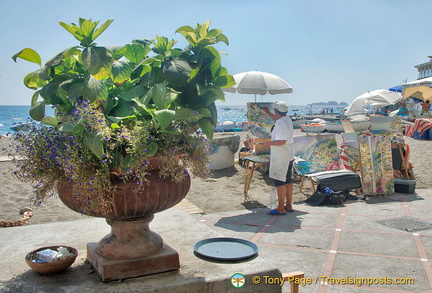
(238, 113)
(12, 115)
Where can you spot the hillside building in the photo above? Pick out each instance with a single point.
(425, 69)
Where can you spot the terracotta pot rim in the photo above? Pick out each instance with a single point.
(128, 201)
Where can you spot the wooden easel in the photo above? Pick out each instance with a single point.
(303, 178)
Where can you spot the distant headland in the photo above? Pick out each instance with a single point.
(329, 104)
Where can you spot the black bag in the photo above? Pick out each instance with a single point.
(321, 198)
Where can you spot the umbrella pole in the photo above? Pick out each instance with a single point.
(255, 98)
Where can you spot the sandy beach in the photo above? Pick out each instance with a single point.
(223, 191)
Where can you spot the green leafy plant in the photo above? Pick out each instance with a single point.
(115, 107)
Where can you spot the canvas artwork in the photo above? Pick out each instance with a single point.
(350, 155)
(349, 151)
(396, 126)
(259, 122)
(376, 164)
(316, 153)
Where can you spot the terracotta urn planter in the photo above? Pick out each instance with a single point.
(116, 107)
(132, 249)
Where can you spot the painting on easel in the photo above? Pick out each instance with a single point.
(376, 164)
(316, 153)
(259, 122)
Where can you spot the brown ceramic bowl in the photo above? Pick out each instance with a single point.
(51, 267)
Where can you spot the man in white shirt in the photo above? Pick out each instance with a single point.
(281, 157)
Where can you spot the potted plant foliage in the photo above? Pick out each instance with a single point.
(130, 123)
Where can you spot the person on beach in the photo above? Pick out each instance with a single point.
(403, 110)
(281, 157)
(425, 107)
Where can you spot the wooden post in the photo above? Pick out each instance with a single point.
(293, 278)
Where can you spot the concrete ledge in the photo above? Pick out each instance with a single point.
(5, 159)
(178, 229)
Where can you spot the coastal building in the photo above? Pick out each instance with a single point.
(425, 69)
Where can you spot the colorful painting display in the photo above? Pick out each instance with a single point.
(317, 153)
(350, 152)
(260, 123)
(396, 126)
(376, 164)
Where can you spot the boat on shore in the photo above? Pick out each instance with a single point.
(360, 125)
(297, 121)
(315, 125)
(334, 126)
(228, 126)
(360, 122)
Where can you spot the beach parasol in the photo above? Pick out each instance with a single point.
(376, 99)
(259, 83)
(397, 88)
(419, 92)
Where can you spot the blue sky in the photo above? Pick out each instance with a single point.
(326, 50)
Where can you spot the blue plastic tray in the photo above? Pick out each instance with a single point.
(226, 248)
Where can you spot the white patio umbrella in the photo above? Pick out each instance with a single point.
(259, 83)
(376, 99)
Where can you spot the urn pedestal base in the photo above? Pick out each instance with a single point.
(116, 269)
(131, 249)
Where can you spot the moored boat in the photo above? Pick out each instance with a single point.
(297, 121)
(313, 127)
(228, 126)
(21, 126)
(360, 122)
(316, 125)
(334, 126)
(361, 125)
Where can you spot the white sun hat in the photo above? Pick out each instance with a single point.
(281, 107)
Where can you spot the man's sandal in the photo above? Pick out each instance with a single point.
(275, 213)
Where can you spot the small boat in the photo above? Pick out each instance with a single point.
(313, 127)
(316, 125)
(297, 121)
(360, 122)
(21, 127)
(228, 126)
(334, 126)
(361, 125)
